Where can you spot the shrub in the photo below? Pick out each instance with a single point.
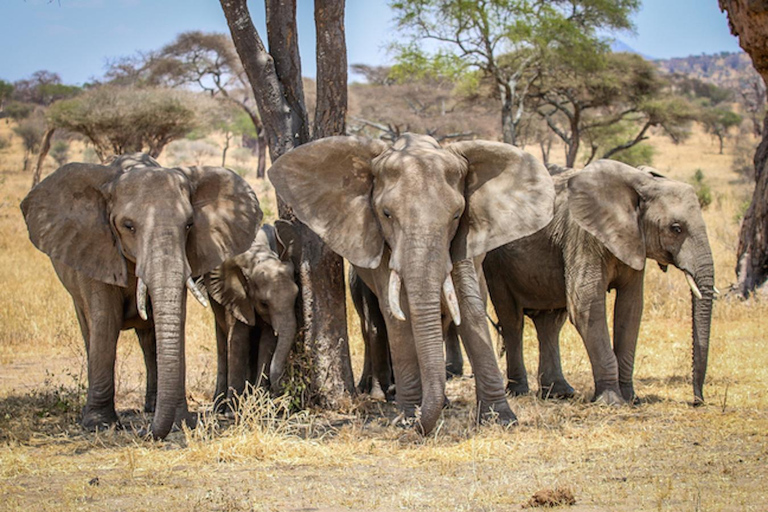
(703, 192)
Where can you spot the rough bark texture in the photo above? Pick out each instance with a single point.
(748, 19)
(45, 147)
(276, 81)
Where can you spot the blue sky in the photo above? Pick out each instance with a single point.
(76, 38)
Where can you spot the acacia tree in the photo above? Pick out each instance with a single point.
(275, 77)
(611, 94)
(749, 21)
(506, 39)
(207, 61)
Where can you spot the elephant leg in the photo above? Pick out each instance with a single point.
(267, 345)
(628, 312)
(238, 342)
(356, 289)
(104, 317)
(552, 383)
(380, 379)
(220, 394)
(149, 348)
(587, 310)
(454, 360)
(489, 383)
(511, 321)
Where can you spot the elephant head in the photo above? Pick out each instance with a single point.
(163, 225)
(430, 206)
(639, 214)
(261, 281)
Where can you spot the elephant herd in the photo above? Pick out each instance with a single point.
(429, 232)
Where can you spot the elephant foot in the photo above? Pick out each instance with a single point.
(376, 392)
(149, 403)
(628, 393)
(99, 419)
(517, 387)
(559, 389)
(453, 370)
(498, 412)
(185, 418)
(610, 397)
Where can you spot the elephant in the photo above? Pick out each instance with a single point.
(609, 217)
(253, 297)
(412, 218)
(125, 240)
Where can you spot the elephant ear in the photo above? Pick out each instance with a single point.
(226, 217)
(604, 201)
(228, 286)
(509, 195)
(328, 183)
(67, 219)
(288, 241)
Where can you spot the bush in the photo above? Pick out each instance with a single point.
(703, 192)
(60, 152)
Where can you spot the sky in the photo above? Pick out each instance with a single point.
(77, 38)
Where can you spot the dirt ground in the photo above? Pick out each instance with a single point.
(660, 455)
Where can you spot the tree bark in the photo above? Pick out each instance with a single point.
(276, 81)
(45, 147)
(748, 19)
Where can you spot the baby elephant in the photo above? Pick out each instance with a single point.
(253, 297)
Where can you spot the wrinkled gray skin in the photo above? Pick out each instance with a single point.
(376, 378)
(253, 296)
(106, 226)
(418, 214)
(609, 217)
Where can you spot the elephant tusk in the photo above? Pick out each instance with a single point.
(694, 289)
(449, 292)
(196, 292)
(394, 295)
(714, 289)
(141, 298)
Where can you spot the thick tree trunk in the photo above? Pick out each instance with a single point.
(748, 19)
(277, 86)
(508, 126)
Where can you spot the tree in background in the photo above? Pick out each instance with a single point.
(31, 130)
(505, 40)
(275, 78)
(43, 88)
(207, 61)
(6, 90)
(118, 120)
(749, 21)
(718, 121)
(609, 102)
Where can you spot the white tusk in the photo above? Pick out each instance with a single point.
(196, 292)
(694, 289)
(714, 289)
(449, 292)
(394, 295)
(141, 298)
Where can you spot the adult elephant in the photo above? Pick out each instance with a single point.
(253, 299)
(609, 217)
(416, 214)
(125, 241)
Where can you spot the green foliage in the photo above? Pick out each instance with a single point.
(718, 121)
(703, 192)
(60, 152)
(6, 90)
(118, 120)
(18, 110)
(413, 64)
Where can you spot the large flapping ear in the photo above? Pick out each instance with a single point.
(603, 199)
(227, 285)
(226, 217)
(328, 183)
(509, 195)
(67, 219)
(288, 241)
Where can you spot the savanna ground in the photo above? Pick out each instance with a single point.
(660, 455)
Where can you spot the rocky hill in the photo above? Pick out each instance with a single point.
(732, 70)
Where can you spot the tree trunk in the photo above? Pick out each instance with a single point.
(277, 86)
(261, 152)
(508, 128)
(45, 147)
(748, 19)
(572, 149)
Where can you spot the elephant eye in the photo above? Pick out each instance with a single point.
(387, 214)
(189, 225)
(676, 228)
(457, 215)
(128, 224)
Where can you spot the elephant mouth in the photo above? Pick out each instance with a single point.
(142, 292)
(448, 292)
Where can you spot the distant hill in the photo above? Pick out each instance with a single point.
(619, 46)
(733, 70)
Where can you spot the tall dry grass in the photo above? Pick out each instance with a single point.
(661, 455)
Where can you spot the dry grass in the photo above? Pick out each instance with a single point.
(661, 455)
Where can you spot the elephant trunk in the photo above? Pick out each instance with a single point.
(165, 278)
(286, 334)
(423, 281)
(702, 316)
